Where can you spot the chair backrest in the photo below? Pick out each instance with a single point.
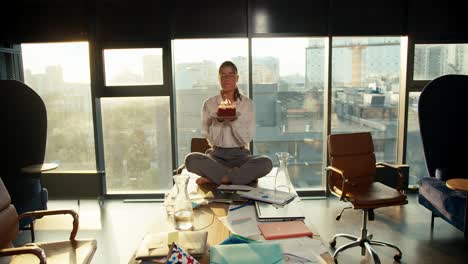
(26, 125)
(199, 145)
(442, 110)
(8, 218)
(352, 153)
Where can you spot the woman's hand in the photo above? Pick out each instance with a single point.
(227, 118)
(230, 118)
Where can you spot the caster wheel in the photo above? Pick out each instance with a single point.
(397, 258)
(333, 243)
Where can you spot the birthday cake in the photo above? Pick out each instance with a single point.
(226, 108)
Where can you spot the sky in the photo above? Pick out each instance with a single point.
(74, 56)
(117, 60)
(289, 51)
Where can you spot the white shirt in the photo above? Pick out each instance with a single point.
(228, 134)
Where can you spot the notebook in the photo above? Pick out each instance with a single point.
(278, 230)
(271, 213)
(269, 196)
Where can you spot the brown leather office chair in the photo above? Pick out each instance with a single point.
(68, 251)
(196, 145)
(351, 177)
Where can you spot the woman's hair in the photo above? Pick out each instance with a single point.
(231, 64)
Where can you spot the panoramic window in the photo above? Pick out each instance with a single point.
(59, 73)
(289, 80)
(434, 60)
(196, 63)
(133, 67)
(137, 155)
(365, 90)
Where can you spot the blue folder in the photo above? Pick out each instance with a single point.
(262, 252)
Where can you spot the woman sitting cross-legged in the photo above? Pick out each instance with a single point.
(228, 161)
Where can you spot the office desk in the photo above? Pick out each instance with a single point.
(207, 216)
(38, 168)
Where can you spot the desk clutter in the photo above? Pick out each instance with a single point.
(265, 226)
(275, 232)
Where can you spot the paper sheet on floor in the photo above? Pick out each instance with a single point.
(242, 221)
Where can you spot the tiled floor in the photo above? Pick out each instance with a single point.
(119, 226)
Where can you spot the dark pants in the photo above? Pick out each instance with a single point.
(237, 163)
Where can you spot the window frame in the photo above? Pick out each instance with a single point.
(415, 86)
(100, 90)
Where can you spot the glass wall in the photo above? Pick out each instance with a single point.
(288, 84)
(59, 73)
(365, 90)
(289, 78)
(196, 63)
(136, 132)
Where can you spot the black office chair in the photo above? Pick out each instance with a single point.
(24, 119)
(442, 111)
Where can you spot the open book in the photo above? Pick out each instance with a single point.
(269, 196)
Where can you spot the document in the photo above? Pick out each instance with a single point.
(242, 221)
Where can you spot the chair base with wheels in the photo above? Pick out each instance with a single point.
(364, 241)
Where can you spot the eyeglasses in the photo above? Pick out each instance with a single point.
(228, 76)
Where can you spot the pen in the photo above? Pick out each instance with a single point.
(240, 206)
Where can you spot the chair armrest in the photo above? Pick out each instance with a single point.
(401, 177)
(36, 214)
(345, 180)
(35, 250)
